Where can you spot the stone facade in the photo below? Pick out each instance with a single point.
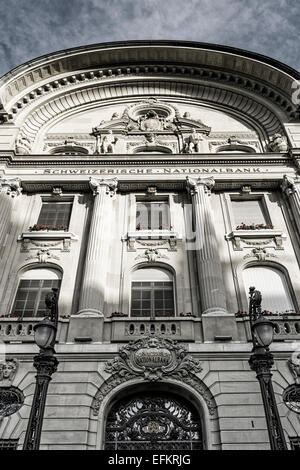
(199, 129)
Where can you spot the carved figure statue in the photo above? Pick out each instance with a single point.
(107, 144)
(193, 143)
(278, 143)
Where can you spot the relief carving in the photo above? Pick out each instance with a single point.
(8, 370)
(153, 359)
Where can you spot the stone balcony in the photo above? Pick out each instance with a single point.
(188, 329)
(177, 328)
(13, 330)
(287, 327)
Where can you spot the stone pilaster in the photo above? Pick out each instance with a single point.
(291, 188)
(91, 303)
(209, 267)
(94, 275)
(9, 190)
(217, 323)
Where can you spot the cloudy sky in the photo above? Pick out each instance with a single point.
(30, 28)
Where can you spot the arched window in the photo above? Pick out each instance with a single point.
(152, 293)
(33, 287)
(153, 421)
(273, 286)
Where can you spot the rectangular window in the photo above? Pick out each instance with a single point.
(152, 299)
(55, 214)
(295, 443)
(30, 298)
(154, 215)
(8, 444)
(248, 212)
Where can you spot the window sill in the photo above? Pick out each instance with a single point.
(48, 234)
(239, 236)
(171, 237)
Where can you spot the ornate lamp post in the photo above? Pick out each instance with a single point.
(261, 361)
(46, 364)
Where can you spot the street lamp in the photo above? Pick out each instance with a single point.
(261, 361)
(46, 364)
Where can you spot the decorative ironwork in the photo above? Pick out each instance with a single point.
(8, 444)
(46, 364)
(291, 397)
(11, 400)
(158, 421)
(261, 361)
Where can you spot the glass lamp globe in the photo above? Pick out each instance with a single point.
(44, 333)
(263, 330)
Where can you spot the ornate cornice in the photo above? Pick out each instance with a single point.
(148, 55)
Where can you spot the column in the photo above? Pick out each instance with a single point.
(9, 189)
(211, 285)
(94, 276)
(291, 188)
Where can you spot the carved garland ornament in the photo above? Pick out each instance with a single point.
(153, 359)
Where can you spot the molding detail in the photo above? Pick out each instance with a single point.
(153, 359)
(11, 400)
(12, 187)
(49, 108)
(110, 185)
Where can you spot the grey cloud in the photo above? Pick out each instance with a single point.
(35, 27)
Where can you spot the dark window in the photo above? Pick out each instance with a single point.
(152, 299)
(55, 213)
(30, 298)
(295, 443)
(8, 444)
(153, 216)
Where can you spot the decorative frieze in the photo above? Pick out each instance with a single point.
(42, 245)
(242, 239)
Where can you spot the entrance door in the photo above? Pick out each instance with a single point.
(153, 421)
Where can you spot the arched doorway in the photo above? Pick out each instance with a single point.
(153, 421)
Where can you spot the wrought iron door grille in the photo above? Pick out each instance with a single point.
(153, 422)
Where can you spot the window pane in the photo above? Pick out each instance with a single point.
(55, 213)
(30, 297)
(249, 212)
(273, 286)
(156, 301)
(152, 215)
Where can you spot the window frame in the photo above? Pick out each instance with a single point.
(248, 197)
(40, 290)
(158, 199)
(47, 200)
(152, 315)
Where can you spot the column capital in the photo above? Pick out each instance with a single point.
(289, 184)
(192, 184)
(12, 186)
(108, 185)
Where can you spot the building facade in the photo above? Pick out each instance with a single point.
(152, 183)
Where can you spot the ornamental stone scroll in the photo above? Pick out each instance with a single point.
(153, 359)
